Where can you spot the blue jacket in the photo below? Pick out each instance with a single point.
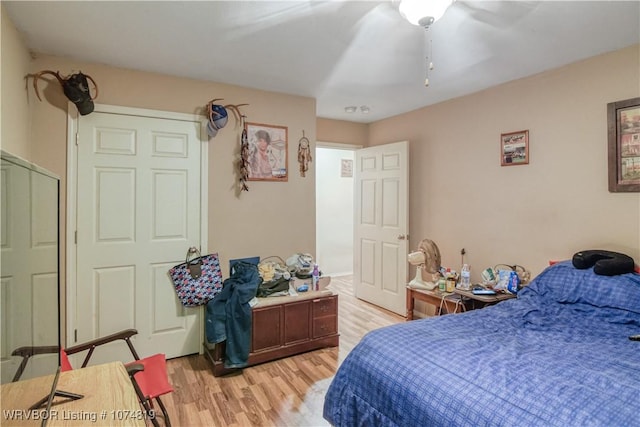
(228, 315)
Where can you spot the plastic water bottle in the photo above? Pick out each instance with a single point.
(315, 276)
(465, 278)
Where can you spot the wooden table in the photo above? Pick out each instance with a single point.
(109, 399)
(443, 301)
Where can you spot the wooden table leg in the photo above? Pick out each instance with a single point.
(410, 304)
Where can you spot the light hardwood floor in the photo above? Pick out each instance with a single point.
(286, 392)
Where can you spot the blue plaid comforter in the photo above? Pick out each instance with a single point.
(558, 355)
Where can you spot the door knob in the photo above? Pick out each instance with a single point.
(403, 236)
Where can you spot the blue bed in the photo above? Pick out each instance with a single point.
(558, 355)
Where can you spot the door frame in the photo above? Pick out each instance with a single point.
(71, 197)
(334, 146)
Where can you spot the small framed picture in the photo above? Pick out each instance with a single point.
(346, 168)
(267, 152)
(623, 119)
(514, 148)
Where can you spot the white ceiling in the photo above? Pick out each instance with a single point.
(340, 52)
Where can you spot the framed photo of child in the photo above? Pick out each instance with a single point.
(267, 152)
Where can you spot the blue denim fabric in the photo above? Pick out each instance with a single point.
(228, 315)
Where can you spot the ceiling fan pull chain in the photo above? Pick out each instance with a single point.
(429, 57)
(430, 52)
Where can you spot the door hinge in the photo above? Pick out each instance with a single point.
(77, 138)
(75, 237)
(75, 335)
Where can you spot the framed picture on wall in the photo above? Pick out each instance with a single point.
(514, 148)
(346, 168)
(267, 152)
(623, 120)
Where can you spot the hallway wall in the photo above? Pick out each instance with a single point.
(334, 212)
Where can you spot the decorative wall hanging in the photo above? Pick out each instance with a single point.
(304, 154)
(243, 163)
(75, 87)
(514, 148)
(267, 158)
(218, 115)
(623, 119)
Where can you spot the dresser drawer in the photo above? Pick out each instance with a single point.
(326, 325)
(325, 307)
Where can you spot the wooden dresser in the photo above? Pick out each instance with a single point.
(284, 326)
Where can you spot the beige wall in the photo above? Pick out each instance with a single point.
(461, 197)
(272, 218)
(14, 108)
(343, 132)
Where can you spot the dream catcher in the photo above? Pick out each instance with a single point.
(304, 154)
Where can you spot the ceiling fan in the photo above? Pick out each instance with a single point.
(423, 13)
(361, 26)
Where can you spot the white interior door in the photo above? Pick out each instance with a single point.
(380, 225)
(138, 210)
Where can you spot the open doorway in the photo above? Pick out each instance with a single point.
(334, 208)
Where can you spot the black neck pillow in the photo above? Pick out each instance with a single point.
(605, 263)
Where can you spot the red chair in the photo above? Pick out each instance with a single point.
(148, 375)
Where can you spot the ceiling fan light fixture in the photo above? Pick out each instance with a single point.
(350, 109)
(423, 12)
(365, 109)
